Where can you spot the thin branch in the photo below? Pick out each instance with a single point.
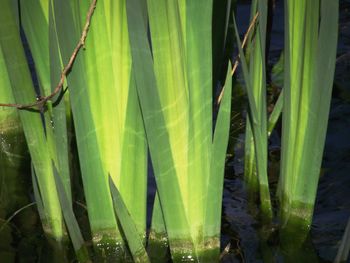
(236, 61)
(342, 57)
(14, 214)
(66, 70)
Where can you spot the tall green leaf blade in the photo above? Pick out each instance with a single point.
(247, 79)
(258, 125)
(307, 94)
(294, 52)
(250, 169)
(132, 176)
(168, 45)
(212, 221)
(133, 181)
(106, 96)
(319, 104)
(59, 120)
(256, 53)
(199, 77)
(101, 214)
(307, 72)
(157, 134)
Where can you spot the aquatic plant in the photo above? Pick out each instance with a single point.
(255, 159)
(176, 101)
(309, 63)
(255, 80)
(310, 54)
(121, 132)
(47, 62)
(145, 82)
(105, 107)
(39, 138)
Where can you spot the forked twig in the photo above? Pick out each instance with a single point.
(236, 61)
(66, 70)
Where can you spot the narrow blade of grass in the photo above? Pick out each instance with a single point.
(216, 180)
(275, 114)
(311, 42)
(198, 67)
(257, 115)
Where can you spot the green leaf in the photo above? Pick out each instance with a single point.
(216, 179)
(254, 78)
(310, 56)
(275, 114)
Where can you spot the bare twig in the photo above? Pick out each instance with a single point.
(81, 204)
(236, 61)
(342, 57)
(66, 70)
(14, 214)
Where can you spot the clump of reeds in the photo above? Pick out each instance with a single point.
(133, 90)
(39, 140)
(310, 53)
(175, 91)
(309, 62)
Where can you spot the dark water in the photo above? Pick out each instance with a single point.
(22, 235)
(22, 240)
